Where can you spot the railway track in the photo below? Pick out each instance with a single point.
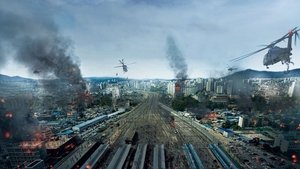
(152, 123)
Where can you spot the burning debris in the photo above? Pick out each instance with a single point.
(35, 42)
(15, 119)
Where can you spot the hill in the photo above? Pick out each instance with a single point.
(249, 73)
(6, 78)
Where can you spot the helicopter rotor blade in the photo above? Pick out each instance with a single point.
(267, 46)
(131, 63)
(121, 61)
(250, 54)
(118, 66)
(262, 45)
(272, 44)
(284, 37)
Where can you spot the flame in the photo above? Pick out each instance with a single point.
(298, 128)
(9, 115)
(297, 141)
(29, 146)
(38, 136)
(69, 146)
(7, 135)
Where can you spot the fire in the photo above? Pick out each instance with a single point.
(282, 125)
(9, 115)
(88, 166)
(7, 135)
(211, 116)
(38, 136)
(69, 146)
(29, 146)
(297, 141)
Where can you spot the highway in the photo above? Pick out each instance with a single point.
(153, 125)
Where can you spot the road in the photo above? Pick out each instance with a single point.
(154, 126)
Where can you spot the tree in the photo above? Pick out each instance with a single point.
(182, 103)
(178, 104)
(236, 127)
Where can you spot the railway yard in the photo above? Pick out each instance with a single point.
(149, 136)
(154, 136)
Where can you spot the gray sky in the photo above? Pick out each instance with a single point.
(208, 33)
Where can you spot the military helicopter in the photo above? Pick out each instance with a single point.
(124, 66)
(232, 68)
(276, 54)
(36, 72)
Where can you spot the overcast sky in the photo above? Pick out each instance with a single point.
(208, 33)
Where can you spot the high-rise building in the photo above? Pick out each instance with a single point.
(229, 87)
(243, 121)
(179, 88)
(209, 85)
(171, 88)
(219, 90)
(294, 89)
(291, 89)
(190, 87)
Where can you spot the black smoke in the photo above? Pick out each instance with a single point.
(34, 40)
(37, 44)
(176, 60)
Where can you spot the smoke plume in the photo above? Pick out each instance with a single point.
(176, 59)
(39, 46)
(34, 41)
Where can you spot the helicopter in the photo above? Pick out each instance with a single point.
(36, 71)
(276, 54)
(124, 66)
(232, 68)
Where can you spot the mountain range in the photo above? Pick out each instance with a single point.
(14, 78)
(244, 74)
(249, 73)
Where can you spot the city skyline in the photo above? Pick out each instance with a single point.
(208, 34)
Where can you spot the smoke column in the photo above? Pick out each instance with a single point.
(39, 46)
(176, 59)
(34, 41)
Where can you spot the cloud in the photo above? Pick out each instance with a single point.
(209, 33)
